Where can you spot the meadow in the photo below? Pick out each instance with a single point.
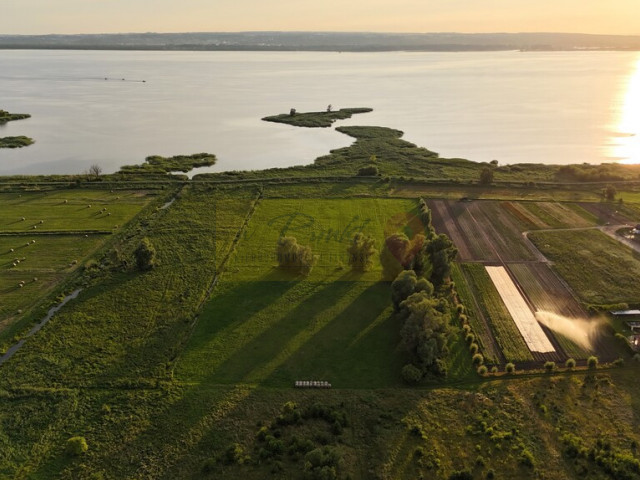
(186, 370)
(599, 269)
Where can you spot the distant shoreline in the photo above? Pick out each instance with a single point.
(325, 42)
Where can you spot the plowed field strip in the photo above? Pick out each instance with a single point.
(479, 246)
(547, 293)
(522, 315)
(526, 219)
(444, 223)
(505, 237)
(494, 310)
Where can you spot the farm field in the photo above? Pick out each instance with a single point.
(599, 269)
(496, 314)
(482, 231)
(68, 210)
(547, 294)
(129, 324)
(522, 315)
(266, 327)
(479, 324)
(42, 265)
(327, 226)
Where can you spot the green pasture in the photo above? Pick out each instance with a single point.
(273, 332)
(68, 210)
(599, 269)
(41, 262)
(327, 226)
(131, 324)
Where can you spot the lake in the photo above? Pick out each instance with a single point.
(116, 107)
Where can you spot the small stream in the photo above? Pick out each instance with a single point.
(52, 311)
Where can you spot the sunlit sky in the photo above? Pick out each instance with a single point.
(113, 16)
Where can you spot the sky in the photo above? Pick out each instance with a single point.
(119, 16)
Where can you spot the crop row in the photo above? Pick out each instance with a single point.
(478, 323)
(504, 329)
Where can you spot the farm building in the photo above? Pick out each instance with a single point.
(634, 341)
(634, 326)
(626, 313)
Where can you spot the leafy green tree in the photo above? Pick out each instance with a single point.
(411, 374)
(441, 252)
(361, 252)
(293, 256)
(610, 193)
(486, 176)
(426, 328)
(145, 255)
(399, 253)
(403, 286)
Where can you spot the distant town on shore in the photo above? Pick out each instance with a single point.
(325, 41)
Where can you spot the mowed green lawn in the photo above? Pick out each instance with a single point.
(266, 327)
(68, 210)
(327, 226)
(40, 265)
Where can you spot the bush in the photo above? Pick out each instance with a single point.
(369, 171)
(482, 370)
(293, 256)
(570, 363)
(461, 475)
(509, 368)
(76, 446)
(550, 366)
(473, 348)
(592, 362)
(145, 255)
(477, 359)
(411, 374)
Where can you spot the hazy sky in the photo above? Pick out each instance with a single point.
(111, 16)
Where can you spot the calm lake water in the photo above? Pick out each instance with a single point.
(547, 107)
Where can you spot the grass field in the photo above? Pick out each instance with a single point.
(326, 226)
(42, 265)
(68, 210)
(264, 326)
(598, 268)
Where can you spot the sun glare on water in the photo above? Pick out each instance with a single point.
(626, 146)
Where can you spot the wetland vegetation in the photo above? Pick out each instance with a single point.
(179, 357)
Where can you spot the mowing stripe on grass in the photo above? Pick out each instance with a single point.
(522, 315)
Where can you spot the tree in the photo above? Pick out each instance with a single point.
(145, 255)
(95, 170)
(441, 252)
(411, 374)
(610, 193)
(361, 252)
(294, 257)
(425, 330)
(76, 446)
(403, 286)
(486, 176)
(399, 253)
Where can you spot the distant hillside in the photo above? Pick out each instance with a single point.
(324, 41)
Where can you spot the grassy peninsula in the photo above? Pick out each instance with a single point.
(8, 117)
(15, 142)
(315, 119)
(156, 164)
(182, 354)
